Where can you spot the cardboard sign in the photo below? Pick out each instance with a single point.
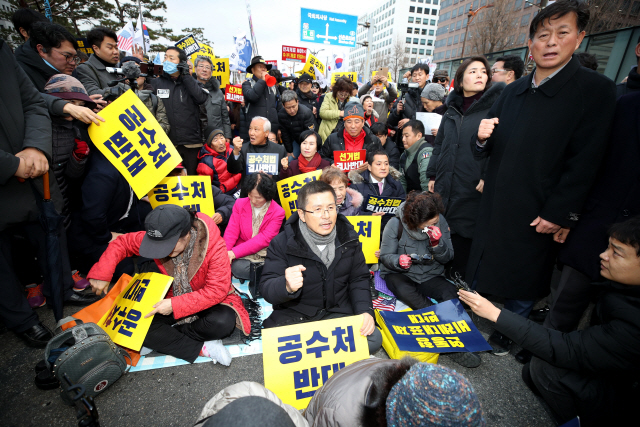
(441, 328)
(233, 93)
(349, 160)
(133, 141)
(206, 51)
(125, 322)
(299, 359)
(368, 229)
(221, 71)
(296, 54)
(193, 192)
(349, 75)
(388, 205)
(267, 163)
(188, 44)
(288, 190)
(308, 68)
(389, 79)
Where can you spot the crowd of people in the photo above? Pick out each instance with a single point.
(525, 173)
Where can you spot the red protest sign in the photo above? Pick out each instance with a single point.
(349, 160)
(292, 53)
(233, 93)
(274, 63)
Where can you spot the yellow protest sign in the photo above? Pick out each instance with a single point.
(125, 322)
(349, 74)
(133, 141)
(192, 192)
(312, 62)
(205, 50)
(299, 359)
(221, 71)
(368, 229)
(288, 190)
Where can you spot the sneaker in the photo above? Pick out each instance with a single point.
(34, 296)
(79, 282)
(500, 344)
(465, 358)
(217, 352)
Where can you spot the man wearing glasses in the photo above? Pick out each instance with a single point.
(507, 69)
(315, 269)
(216, 107)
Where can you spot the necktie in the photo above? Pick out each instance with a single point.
(380, 188)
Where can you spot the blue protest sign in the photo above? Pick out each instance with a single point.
(441, 328)
(318, 26)
(267, 163)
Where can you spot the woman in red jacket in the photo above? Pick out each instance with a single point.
(201, 302)
(212, 161)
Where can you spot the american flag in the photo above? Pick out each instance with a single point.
(383, 304)
(125, 40)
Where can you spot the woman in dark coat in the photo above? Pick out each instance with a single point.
(457, 175)
(309, 159)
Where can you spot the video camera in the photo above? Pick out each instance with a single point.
(405, 86)
(130, 72)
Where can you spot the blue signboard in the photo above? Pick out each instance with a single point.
(318, 26)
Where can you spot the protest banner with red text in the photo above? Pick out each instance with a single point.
(349, 160)
(291, 53)
(233, 93)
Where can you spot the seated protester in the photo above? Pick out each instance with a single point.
(212, 161)
(258, 143)
(380, 130)
(396, 393)
(294, 119)
(377, 181)
(309, 159)
(255, 220)
(347, 199)
(70, 150)
(315, 268)
(433, 101)
(415, 158)
(201, 303)
(370, 115)
(591, 373)
(353, 137)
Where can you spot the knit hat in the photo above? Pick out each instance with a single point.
(433, 92)
(432, 395)
(364, 97)
(353, 110)
(67, 87)
(213, 134)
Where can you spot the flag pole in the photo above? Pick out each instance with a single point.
(144, 44)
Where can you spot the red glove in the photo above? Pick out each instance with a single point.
(405, 261)
(434, 234)
(81, 151)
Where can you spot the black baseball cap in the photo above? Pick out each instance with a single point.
(305, 78)
(164, 225)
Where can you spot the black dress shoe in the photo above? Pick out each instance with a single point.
(82, 298)
(524, 356)
(37, 336)
(540, 314)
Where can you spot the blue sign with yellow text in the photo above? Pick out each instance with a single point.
(318, 26)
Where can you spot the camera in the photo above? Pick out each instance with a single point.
(129, 73)
(404, 87)
(426, 259)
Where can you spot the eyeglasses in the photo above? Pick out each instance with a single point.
(204, 67)
(495, 70)
(343, 93)
(318, 212)
(71, 59)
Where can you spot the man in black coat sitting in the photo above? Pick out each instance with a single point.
(315, 269)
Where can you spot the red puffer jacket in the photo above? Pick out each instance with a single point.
(209, 272)
(214, 164)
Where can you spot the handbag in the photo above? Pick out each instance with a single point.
(390, 346)
(88, 356)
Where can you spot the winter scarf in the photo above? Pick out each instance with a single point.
(181, 283)
(309, 166)
(353, 144)
(314, 240)
(256, 222)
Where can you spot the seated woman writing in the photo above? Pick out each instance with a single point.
(201, 306)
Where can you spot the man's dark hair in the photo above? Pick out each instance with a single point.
(262, 183)
(25, 18)
(558, 10)
(627, 232)
(416, 126)
(378, 128)
(96, 35)
(588, 60)
(314, 187)
(182, 55)
(49, 35)
(420, 66)
(372, 154)
(459, 78)
(513, 63)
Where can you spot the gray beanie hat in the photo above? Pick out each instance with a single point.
(433, 92)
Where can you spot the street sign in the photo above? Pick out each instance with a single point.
(318, 26)
(292, 53)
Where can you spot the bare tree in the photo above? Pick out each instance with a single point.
(493, 29)
(607, 15)
(398, 58)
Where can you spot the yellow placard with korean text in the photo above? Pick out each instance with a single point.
(288, 190)
(125, 322)
(299, 359)
(312, 62)
(193, 192)
(353, 76)
(368, 229)
(205, 50)
(221, 71)
(133, 141)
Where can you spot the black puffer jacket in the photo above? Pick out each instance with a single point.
(341, 288)
(260, 100)
(182, 103)
(239, 165)
(309, 100)
(457, 172)
(292, 126)
(412, 104)
(335, 142)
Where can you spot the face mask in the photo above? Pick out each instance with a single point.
(169, 67)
